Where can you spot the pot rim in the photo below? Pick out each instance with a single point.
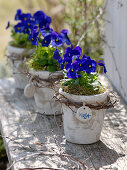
(61, 90)
(21, 48)
(87, 98)
(32, 71)
(46, 74)
(20, 51)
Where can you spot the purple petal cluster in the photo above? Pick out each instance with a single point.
(64, 34)
(38, 25)
(54, 38)
(33, 36)
(74, 62)
(42, 19)
(27, 24)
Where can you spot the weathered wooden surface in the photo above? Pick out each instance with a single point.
(27, 133)
(116, 43)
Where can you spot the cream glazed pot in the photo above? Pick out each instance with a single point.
(17, 56)
(43, 95)
(83, 125)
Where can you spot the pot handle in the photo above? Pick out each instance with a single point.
(29, 89)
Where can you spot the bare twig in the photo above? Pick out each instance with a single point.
(109, 104)
(88, 30)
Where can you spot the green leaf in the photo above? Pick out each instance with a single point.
(42, 59)
(43, 62)
(51, 68)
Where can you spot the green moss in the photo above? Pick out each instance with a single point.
(42, 60)
(20, 40)
(82, 90)
(87, 84)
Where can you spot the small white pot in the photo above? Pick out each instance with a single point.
(43, 96)
(17, 56)
(83, 125)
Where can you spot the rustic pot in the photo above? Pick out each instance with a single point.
(43, 96)
(81, 127)
(17, 56)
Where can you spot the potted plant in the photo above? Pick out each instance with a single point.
(44, 69)
(82, 97)
(22, 44)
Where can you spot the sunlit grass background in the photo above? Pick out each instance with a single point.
(74, 15)
(8, 9)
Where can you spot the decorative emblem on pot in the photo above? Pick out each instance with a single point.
(84, 114)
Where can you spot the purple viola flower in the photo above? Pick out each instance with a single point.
(85, 57)
(18, 13)
(68, 66)
(38, 16)
(34, 36)
(25, 17)
(56, 54)
(45, 22)
(57, 39)
(64, 34)
(77, 51)
(82, 62)
(8, 25)
(35, 28)
(101, 63)
(42, 19)
(79, 64)
(71, 73)
(70, 52)
(60, 61)
(46, 31)
(26, 30)
(29, 23)
(46, 41)
(90, 66)
(19, 27)
(57, 57)
(74, 65)
(61, 66)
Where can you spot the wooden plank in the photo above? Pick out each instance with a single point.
(33, 140)
(116, 38)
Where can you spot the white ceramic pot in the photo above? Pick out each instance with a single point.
(17, 56)
(43, 96)
(83, 125)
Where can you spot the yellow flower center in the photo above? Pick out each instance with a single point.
(25, 19)
(43, 26)
(69, 54)
(57, 40)
(18, 28)
(89, 66)
(28, 24)
(45, 41)
(32, 39)
(80, 65)
(25, 30)
(72, 70)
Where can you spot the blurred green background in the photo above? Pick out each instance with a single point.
(81, 17)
